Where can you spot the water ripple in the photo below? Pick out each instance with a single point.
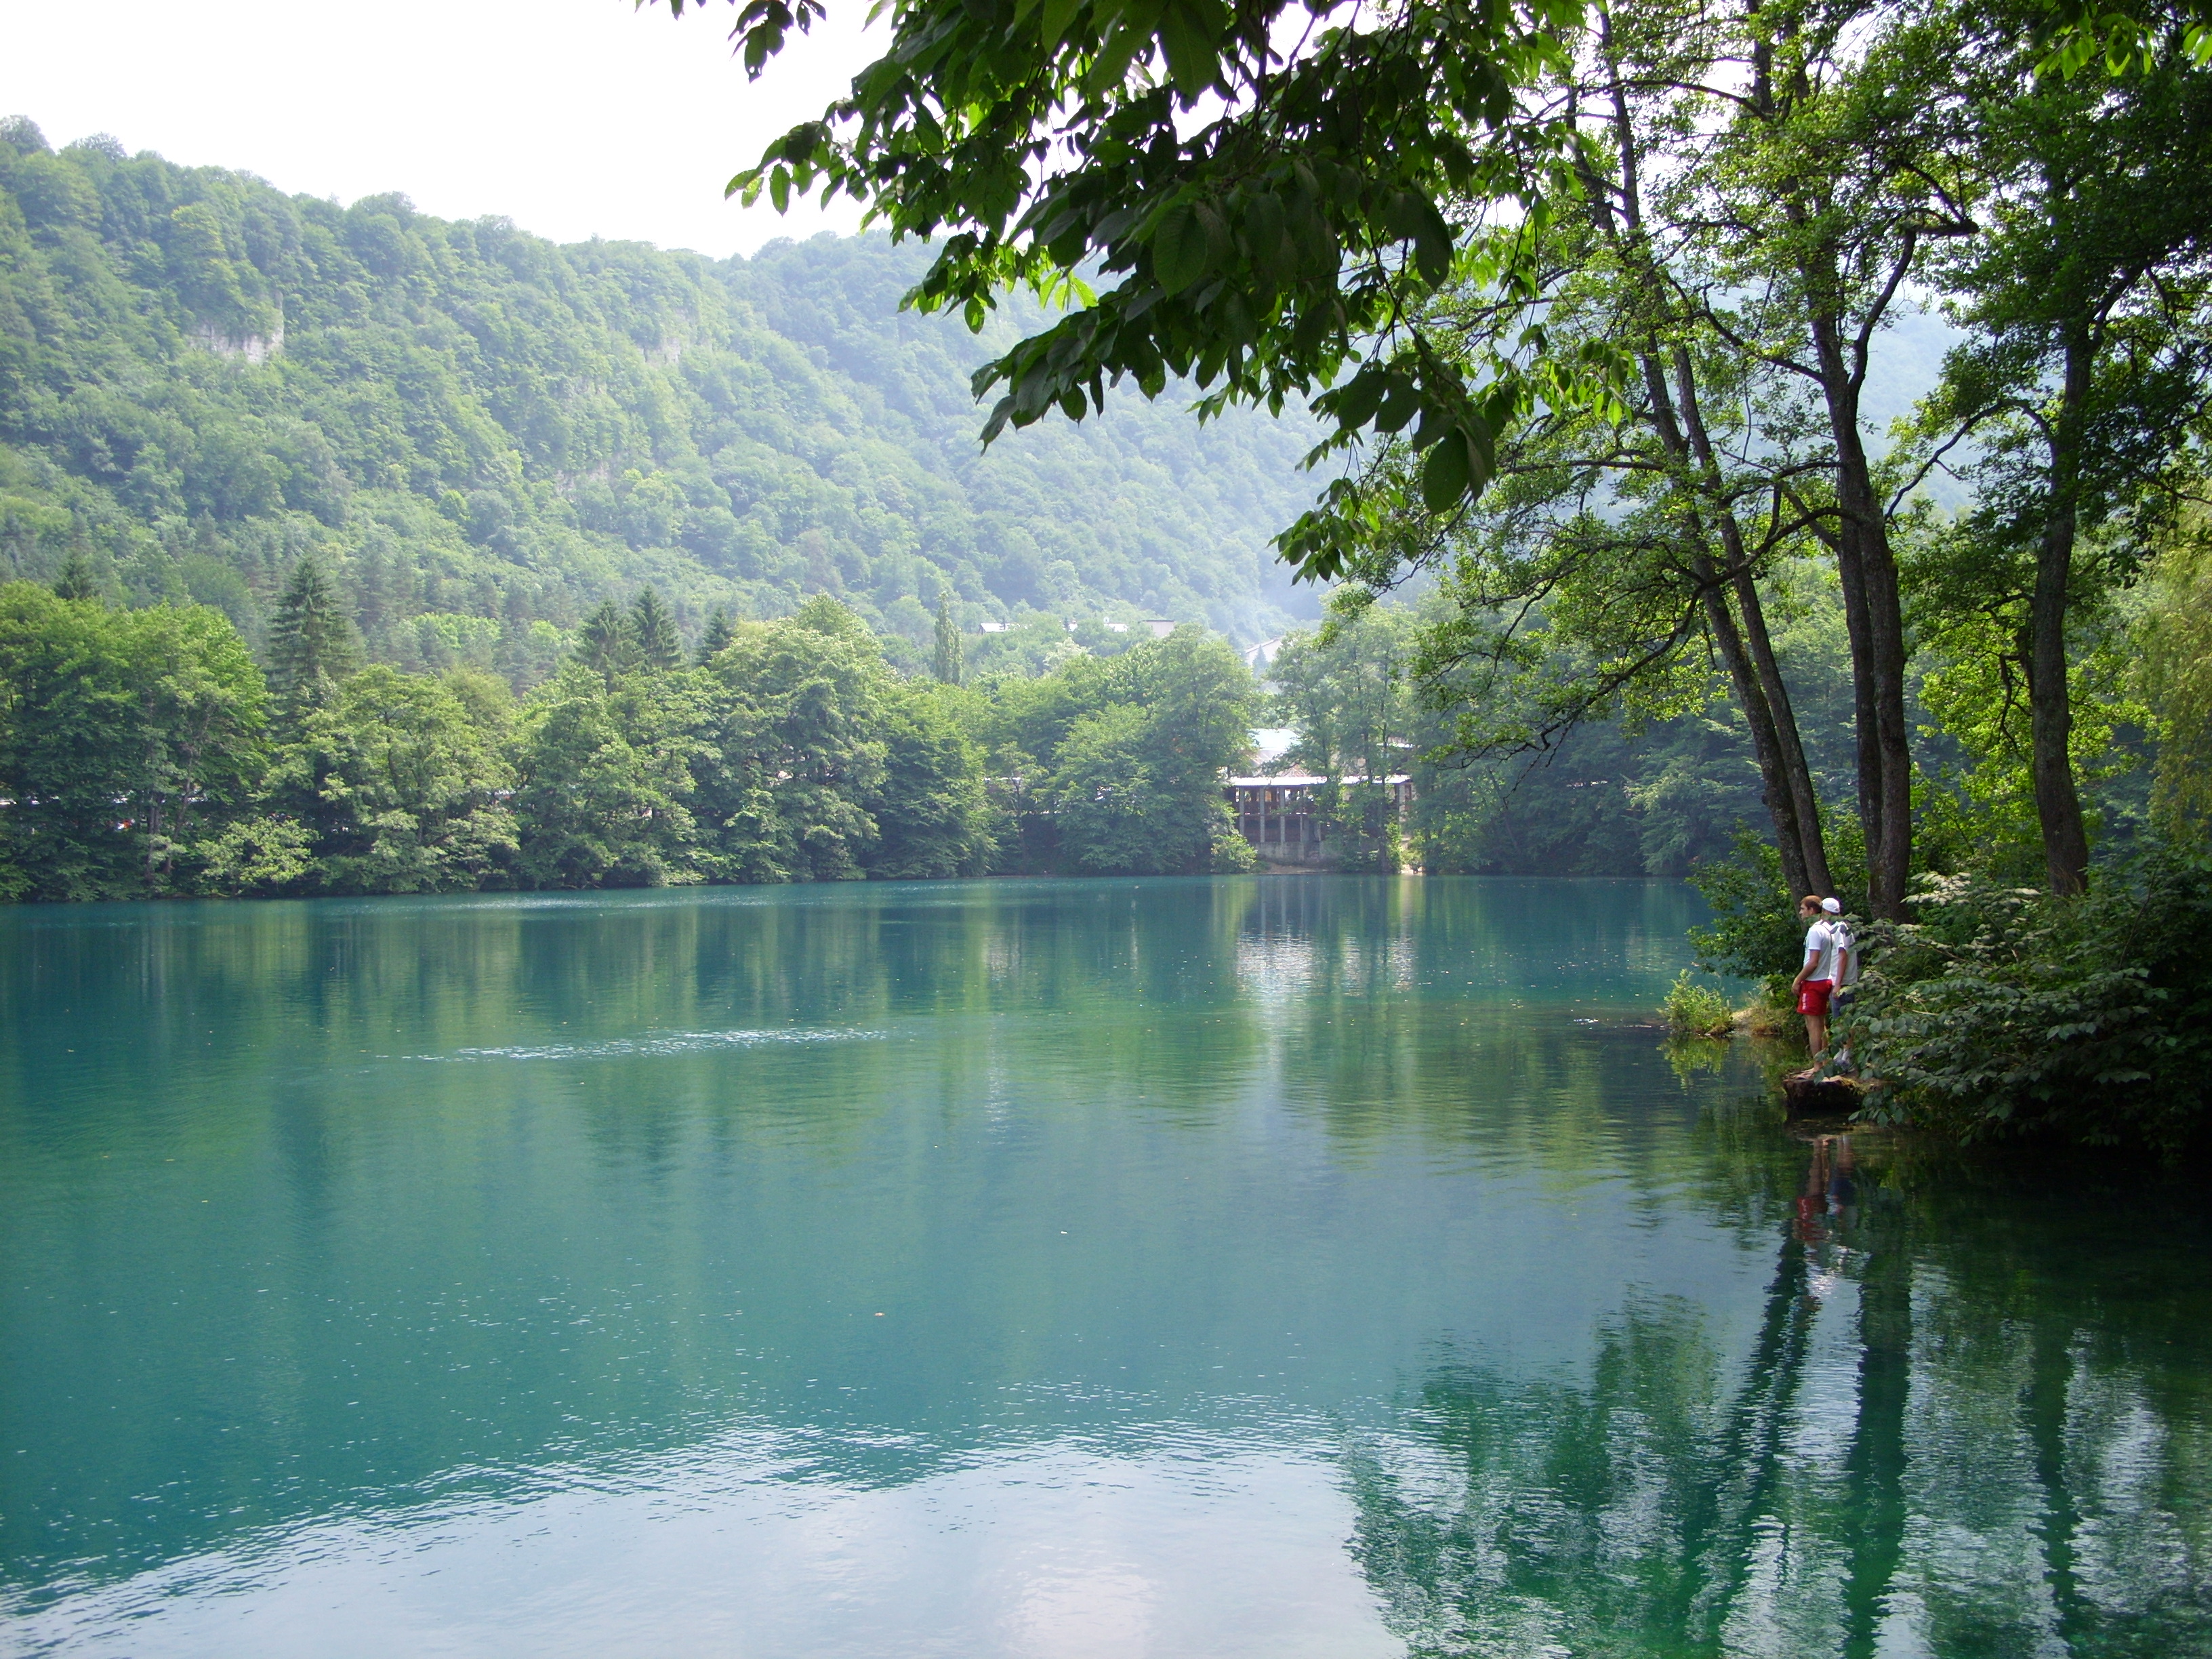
(671, 1043)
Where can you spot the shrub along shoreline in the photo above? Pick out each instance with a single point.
(2008, 1013)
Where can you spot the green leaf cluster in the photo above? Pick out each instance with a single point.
(1693, 1010)
(122, 733)
(1622, 792)
(1254, 197)
(2004, 1012)
(1113, 764)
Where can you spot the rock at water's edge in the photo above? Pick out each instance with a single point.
(1808, 1095)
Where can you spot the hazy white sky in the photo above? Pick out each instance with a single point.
(572, 117)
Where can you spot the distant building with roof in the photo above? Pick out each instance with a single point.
(1282, 815)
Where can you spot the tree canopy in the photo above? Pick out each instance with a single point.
(1262, 192)
(137, 759)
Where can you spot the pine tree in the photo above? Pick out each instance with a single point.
(949, 652)
(77, 581)
(654, 628)
(310, 642)
(608, 641)
(16, 540)
(719, 632)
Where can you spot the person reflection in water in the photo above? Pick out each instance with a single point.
(1843, 1180)
(1813, 1200)
(1829, 1198)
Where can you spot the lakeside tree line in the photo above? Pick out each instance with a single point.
(146, 753)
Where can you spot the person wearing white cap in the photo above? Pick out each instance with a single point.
(1847, 955)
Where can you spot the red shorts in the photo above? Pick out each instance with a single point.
(1813, 997)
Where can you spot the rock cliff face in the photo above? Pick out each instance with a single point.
(256, 349)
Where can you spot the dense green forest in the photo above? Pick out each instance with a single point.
(467, 441)
(146, 754)
(481, 435)
(477, 438)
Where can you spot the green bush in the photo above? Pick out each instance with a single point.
(1695, 1010)
(1755, 932)
(2004, 1012)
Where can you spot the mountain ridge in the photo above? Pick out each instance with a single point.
(483, 434)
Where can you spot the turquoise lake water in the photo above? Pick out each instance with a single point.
(1264, 1266)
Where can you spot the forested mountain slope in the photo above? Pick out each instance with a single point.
(484, 435)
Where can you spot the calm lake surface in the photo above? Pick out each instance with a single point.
(1284, 1267)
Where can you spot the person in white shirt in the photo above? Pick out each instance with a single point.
(1847, 953)
(1816, 979)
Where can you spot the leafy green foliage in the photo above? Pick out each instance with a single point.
(2176, 670)
(800, 722)
(1613, 799)
(404, 779)
(1977, 805)
(133, 763)
(719, 632)
(1695, 1010)
(2004, 1012)
(1115, 764)
(949, 659)
(76, 579)
(123, 733)
(2085, 35)
(1755, 932)
(1346, 690)
(1617, 795)
(602, 778)
(1260, 183)
(933, 816)
(2079, 384)
(256, 857)
(608, 642)
(311, 645)
(655, 629)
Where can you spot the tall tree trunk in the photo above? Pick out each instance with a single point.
(1789, 837)
(1794, 766)
(1796, 776)
(1786, 785)
(2050, 701)
(1874, 613)
(1713, 586)
(1786, 781)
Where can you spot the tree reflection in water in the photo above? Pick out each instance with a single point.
(1972, 1420)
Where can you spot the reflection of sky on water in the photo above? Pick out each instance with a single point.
(659, 1042)
(1187, 1543)
(1169, 1268)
